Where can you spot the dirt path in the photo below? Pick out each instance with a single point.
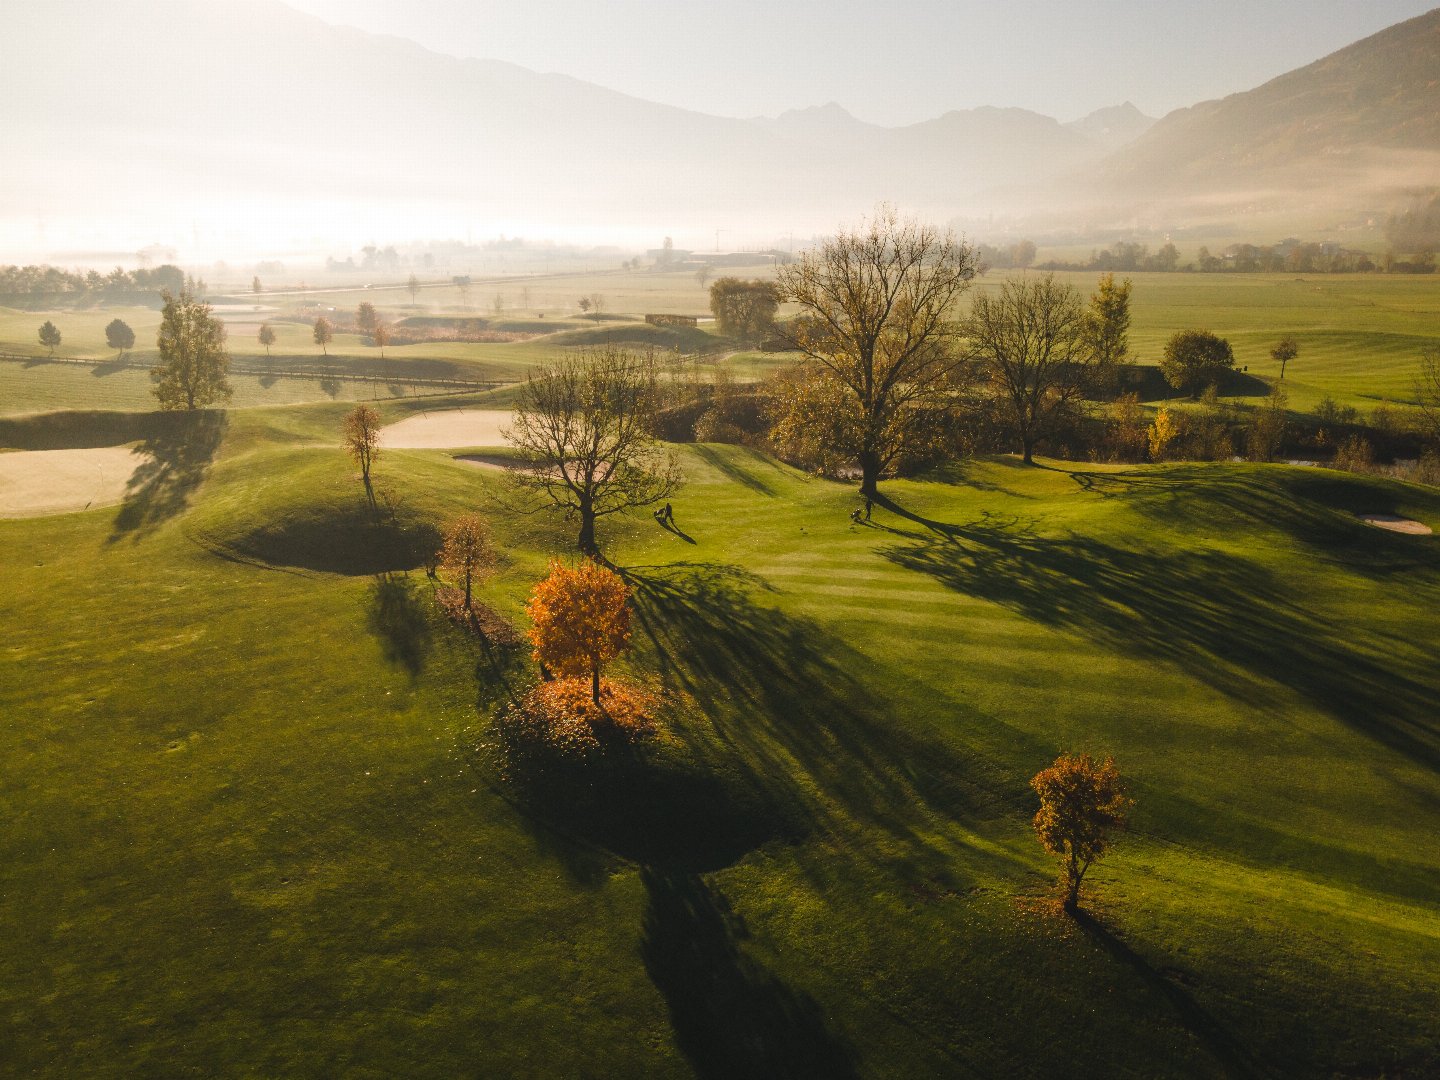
(37, 483)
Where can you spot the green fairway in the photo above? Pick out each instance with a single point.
(256, 825)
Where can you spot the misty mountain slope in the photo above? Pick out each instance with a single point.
(1371, 108)
(157, 113)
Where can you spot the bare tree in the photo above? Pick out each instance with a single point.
(414, 286)
(380, 334)
(877, 321)
(582, 429)
(597, 306)
(1427, 392)
(1031, 341)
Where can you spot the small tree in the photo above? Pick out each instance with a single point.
(119, 337)
(466, 553)
(597, 306)
(267, 336)
(255, 286)
(362, 442)
(193, 359)
(1284, 351)
(50, 336)
(1107, 325)
(582, 428)
(1267, 426)
(324, 333)
(414, 286)
(365, 317)
(702, 275)
(1195, 359)
(580, 620)
(1082, 803)
(1164, 430)
(380, 334)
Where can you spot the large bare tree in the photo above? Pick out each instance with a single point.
(1031, 341)
(877, 321)
(582, 428)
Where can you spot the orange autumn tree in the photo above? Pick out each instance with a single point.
(1082, 802)
(580, 620)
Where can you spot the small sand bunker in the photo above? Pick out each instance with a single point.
(448, 429)
(36, 483)
(1397, 524)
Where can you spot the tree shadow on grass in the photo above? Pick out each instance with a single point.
(177, 452)
(1223, 620)
(733, 470)
(788, 713)
(397, 616)
(731, 1017)
(1200, 1024)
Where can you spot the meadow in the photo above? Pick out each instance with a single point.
(258, 825)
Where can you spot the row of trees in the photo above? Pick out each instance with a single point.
(42, 280)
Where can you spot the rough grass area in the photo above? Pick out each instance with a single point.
(256, 824)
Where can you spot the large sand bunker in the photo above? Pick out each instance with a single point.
(35, 483)
(1397, 524)
(448, 429)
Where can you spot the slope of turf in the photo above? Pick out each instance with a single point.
(255, 824)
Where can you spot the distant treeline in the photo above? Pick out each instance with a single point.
(51, 280)
(1288, 256)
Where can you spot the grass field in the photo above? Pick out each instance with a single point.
(1360, 336)
(254, 825)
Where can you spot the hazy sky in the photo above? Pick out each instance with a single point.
(892, 62)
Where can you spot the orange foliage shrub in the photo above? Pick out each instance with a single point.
(560, 717)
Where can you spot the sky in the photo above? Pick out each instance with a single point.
(892, 63)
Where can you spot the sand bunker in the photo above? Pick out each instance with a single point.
(1397, 524)
(447, 429)
(35, 483)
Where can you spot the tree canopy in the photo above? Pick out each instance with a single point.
(193, 359)
(119, 336)
(1195, 359)
(323, 333)
(744, 309)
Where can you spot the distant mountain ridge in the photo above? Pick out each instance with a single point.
(203, 114)
(1367, 116)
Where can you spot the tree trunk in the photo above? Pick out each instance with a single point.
(587, 534)
(1029, 447)
(595, 684)
(869, 473)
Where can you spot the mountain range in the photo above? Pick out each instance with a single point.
(243, 116)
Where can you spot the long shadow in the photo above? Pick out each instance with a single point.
(1224, 620)
(789, 713)
(671, 527)
(109, 367)
(177, 456)
(731, 1017)
(397, 616)
(1204, 1027)
(731, 470)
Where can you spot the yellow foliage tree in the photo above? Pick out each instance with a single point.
(580, 620)
(1164, 431)
(1082, 802)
